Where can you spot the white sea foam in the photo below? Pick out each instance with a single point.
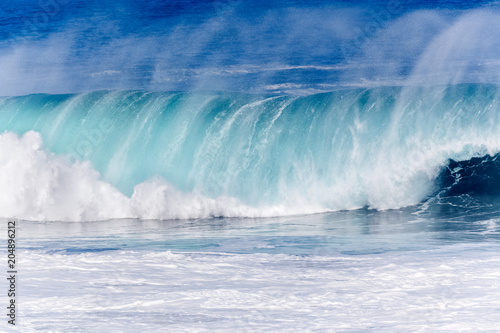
(447, 290)
(38, 185)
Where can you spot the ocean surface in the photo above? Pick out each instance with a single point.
(248, 166)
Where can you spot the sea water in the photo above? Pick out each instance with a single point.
(229, 166)
(346, 271)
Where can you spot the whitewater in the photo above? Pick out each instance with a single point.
(240, 166)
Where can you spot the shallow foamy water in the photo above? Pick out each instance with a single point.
(347, 271)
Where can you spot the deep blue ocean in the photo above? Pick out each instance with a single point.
(250, 166)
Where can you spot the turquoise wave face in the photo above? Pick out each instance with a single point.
(381, 147)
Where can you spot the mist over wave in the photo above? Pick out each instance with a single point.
(295, 47)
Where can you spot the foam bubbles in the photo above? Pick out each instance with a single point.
(38, 185)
